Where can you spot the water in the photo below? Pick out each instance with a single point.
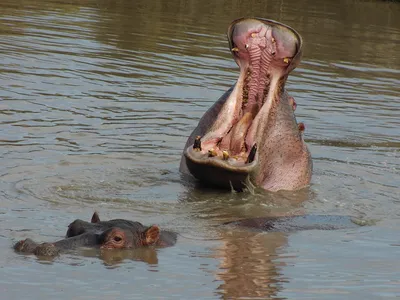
(97, 100)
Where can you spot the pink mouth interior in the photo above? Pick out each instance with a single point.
(263, 53)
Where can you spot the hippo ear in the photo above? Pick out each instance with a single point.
(151, 235)
(95, 218)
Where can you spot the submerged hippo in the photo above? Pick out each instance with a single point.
(164, 239)
(112, 238)
(251, 132)
(304, 222)
(113, 234)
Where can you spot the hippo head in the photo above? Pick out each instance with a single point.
(250, 134)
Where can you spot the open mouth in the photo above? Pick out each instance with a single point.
(265, 51)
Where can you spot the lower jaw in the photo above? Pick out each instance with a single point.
(226, 178)
(231, 174)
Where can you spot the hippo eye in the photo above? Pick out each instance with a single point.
(117, 238)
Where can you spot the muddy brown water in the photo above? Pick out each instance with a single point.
(97, 100)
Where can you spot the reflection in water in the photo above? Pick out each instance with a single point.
(112, 257)
(247, 265)
(109, 256)
(98, 98)
(116, 257)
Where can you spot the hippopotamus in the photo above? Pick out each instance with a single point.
(301, 222)
(77, 227)
(113, 234)
(112, 238)
(250, 135)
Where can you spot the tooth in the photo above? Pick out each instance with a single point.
(286, 60)
(292, 102)
(212, 152)
(225, 155)
(246, 46)
(301, 126)
(235, 49)
(197, 143)
(273, 40)
(253, 35)
(252, 154)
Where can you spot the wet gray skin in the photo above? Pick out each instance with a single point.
(29, 246)
(298, 223)
(166, 238)
(251, 132)
(102, 234)
(78, 226)
(111, 238)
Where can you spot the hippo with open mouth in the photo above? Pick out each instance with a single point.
(251, 133)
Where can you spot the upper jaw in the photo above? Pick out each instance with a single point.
(245, 31)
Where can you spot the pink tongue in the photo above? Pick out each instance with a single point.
(234, 141)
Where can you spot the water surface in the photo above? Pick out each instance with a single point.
(97, 100)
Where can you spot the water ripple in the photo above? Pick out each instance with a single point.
(97, 99)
